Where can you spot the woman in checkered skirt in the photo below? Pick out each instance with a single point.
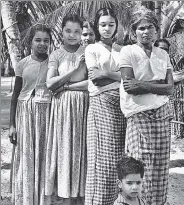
(106, 123)
(146, 83)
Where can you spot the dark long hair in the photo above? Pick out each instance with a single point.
(73, 18)
(104, 12)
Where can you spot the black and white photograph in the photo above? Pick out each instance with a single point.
(92, 102)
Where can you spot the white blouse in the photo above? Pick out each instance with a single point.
(145, 69)
(96, 55)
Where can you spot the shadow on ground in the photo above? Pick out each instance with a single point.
(176, 163)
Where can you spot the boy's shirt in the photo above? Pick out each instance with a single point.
(122, 201)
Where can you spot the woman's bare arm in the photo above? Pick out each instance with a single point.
(54, 81)
(15, 95)
(136, 87)
(103, 77)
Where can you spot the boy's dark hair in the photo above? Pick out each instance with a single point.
(129, 165)
(104, 12)
(162, 40)
(73, 18)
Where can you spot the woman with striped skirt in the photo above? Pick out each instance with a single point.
(106, 123)
(66, 148)
(29, 121)
(146, 83)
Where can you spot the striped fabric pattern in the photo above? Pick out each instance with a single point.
(105, 146)
(148, 138)
(28, 174)
(66, 146)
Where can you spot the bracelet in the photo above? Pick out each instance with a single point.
(66, 86)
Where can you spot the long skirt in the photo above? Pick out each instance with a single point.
(66, 149)
(28, 174)
(105, 146)
(148, 138)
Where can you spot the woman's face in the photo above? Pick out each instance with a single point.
(88, 36)
(164, 46)
(40, 42)
(72, 33)
(145, 32)
(106, 26)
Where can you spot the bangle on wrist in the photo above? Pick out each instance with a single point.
(66, 86)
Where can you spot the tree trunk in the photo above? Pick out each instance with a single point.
(158, 14)
(11, 30)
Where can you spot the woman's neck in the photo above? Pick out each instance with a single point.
(71, 48)
(147, 46)
(106, 41)
(39, 57)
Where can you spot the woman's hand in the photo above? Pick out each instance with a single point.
(80, 62)
(13, 135)
(96, 74)
(58, 90)
(131, 86)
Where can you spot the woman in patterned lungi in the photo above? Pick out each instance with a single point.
(106, 123)
(146, 83)
(66, 151)
(29, 121)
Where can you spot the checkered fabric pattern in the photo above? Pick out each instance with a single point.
(105, 146)
(122, 201)
(148, 138)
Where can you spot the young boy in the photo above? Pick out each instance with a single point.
(130, 174)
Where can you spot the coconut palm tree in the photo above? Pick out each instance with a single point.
(11, 31)
(52, 13)
(87, 10)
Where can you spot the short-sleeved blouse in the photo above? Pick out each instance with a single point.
(33, 75)
(122, 201)
(145, 69)
(63, 61)
(96, 55)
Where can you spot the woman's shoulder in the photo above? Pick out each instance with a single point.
(128, 49)
(58, 51)
(94, 47)
(159, 51)
(25, 60)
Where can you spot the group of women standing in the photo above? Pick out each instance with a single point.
(66, 120)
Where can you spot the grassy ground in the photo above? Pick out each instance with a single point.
(176, 178)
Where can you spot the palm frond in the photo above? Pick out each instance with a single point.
(52, 13)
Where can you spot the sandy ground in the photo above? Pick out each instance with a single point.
(176, 179)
